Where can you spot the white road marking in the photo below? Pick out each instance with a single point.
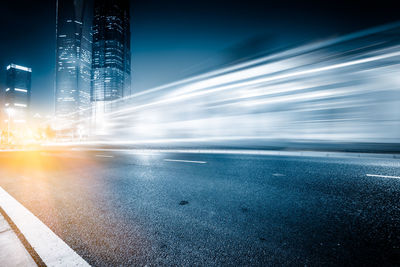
(187, 161)
(144, 153)
(51, 249)
(104, 156)
(382, 176)
(278, 174)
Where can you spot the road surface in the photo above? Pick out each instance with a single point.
(151, 208)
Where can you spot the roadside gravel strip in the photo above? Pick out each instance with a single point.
(50, 248)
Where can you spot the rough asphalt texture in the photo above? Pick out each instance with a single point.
(235, 210)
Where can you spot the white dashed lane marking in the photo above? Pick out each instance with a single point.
(383, 176)
(186, 161)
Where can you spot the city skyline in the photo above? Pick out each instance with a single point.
(165, 49)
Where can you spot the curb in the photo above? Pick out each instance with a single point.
(51, 250)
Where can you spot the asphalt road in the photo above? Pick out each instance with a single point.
(122, 208)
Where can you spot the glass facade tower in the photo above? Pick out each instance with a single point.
(18, 92)
(111, 50)
(73, 58)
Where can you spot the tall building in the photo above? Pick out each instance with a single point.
(18, 93)
(111, 76)
(73, 58)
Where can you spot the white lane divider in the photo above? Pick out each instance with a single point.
(383, 176)
(145, 154)
(187, 161)
(51, 249)
(104, 156)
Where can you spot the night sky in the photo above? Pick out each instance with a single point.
(174, 39)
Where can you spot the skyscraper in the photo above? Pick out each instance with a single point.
(73, 57)
(18, 93)
(111, 50)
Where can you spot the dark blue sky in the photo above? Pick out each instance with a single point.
(174, 39)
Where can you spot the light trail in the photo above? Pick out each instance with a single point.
(192, 94)
(344, 89)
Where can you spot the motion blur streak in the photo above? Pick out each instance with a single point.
(345, 89)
